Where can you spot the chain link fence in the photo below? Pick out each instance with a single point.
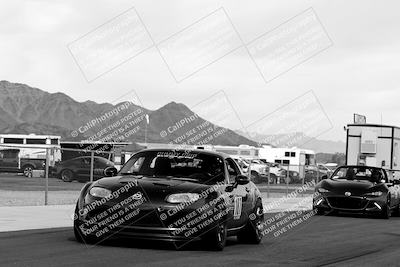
(56, 175)
(280, 181)
(52, 175)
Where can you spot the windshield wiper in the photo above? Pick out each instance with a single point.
(185, 179)
(131, 174)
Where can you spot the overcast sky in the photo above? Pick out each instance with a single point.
(359, 73)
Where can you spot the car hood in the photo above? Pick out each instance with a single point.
(354, 186)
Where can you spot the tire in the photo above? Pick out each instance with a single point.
(255, 177)
(215, 239)
(273, 178)
(79, 236)
(251, 233)
(385, 213)
(396, 212)
(67, 175)
(319, 211)
(27, 170)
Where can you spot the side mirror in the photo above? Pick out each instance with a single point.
(242, 179)
(110, 171)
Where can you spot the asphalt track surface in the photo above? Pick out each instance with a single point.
(342, 240)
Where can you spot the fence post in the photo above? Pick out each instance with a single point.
(317, 175)
(91, 165)
(302, 181)
(287, 180)
(268, 178)
(46, 192)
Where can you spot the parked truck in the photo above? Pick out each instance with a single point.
(10, 161)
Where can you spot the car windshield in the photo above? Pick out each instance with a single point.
(374, 175)
(182, 165)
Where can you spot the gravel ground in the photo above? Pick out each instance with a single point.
(36, 198)
(17, 190)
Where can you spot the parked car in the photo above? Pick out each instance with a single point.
(313, 172)
(276, 172)
(175, 196)
(293, 178)
(325, 172)
(258, 169)
(79, 168)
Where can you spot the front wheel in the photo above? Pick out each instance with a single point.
(385, 213)
(318, 211)
(79, 235)
(396, 212)
(251, 233)
(255, 177)
(216, 238)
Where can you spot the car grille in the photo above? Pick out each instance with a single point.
(350, 203)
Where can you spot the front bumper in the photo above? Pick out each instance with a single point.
(353, 204)
(150, 221)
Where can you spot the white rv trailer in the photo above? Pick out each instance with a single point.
(27, 151)
(373, 145)
(31, 145)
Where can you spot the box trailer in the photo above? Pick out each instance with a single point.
(373, 145)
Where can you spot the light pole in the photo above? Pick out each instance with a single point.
(145, 130)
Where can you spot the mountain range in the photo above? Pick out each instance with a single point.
(25, 110)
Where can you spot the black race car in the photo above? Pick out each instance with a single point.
(172, 195)
(358, 189)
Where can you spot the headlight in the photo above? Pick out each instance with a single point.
(323, 190)
(374, 194)
(99, 192)
(183, 197)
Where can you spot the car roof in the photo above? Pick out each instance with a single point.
(199, 151)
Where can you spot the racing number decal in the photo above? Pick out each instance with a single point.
(237, 209)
